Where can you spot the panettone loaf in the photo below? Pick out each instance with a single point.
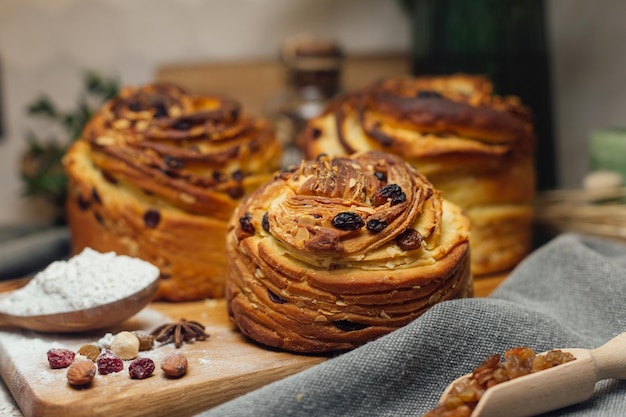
(477, 148)
(157, 174)
(338, 252)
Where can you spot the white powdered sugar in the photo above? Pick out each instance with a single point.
(87, 280)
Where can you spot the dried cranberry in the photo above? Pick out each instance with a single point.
(391, 192)
(109, 362)
(347, 220)
(275, 298)
(246, 224)
(349, 326)
(60, 358)
(141, 368)
(375, 225)
(151, 218)
(265, 223)
(410, 239)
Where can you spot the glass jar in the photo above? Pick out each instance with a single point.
(312, 77)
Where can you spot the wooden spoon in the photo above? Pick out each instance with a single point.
(553, 388)
(98, 317)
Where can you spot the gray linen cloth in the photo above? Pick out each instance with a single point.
(568, 293)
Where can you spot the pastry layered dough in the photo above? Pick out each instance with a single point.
(477, 148)
(340, 251)
(157, 174)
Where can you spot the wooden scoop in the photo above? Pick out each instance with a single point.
(553, 388)
(94, 318)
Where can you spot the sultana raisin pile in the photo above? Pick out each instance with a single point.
(518, 361)
(60, 358)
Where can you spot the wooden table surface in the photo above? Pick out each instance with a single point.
(227, 363)
(484, 285)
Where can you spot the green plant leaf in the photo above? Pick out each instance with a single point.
(41, 169)
(43, 107)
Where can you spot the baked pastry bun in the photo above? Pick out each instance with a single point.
(475, 147)
(157, 174)
(338, 252)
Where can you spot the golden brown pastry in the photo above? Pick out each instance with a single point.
(475, 147)
(157, 174)
(338, 252)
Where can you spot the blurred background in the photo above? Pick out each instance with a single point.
(231, 46)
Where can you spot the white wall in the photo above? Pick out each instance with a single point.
(589, 75)
(46, 44)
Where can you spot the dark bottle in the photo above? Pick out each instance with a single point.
(504, 39)
(312, 78)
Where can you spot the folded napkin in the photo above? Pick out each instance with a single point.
(568, 293)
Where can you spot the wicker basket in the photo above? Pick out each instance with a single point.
(599, 212)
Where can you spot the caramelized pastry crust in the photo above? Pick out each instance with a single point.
(341, 251)
(475, 147)
(157, 174)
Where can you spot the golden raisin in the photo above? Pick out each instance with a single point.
(90, 350)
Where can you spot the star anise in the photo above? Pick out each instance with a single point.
(183, 331)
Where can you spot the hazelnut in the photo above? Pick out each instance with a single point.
(125, 345)
(81, 372)
(146, 340)
(174, 364)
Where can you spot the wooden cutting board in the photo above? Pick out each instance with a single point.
(221, 368)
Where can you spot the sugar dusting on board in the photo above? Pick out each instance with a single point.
(221, 362)
(87, 280)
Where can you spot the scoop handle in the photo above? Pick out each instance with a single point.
(610, 358)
